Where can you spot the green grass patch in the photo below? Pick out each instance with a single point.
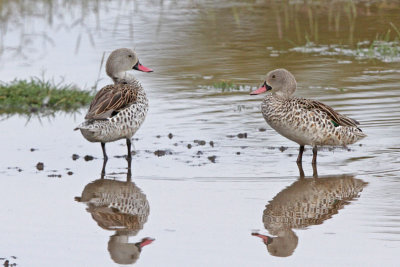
(40, 97)
(226, 86)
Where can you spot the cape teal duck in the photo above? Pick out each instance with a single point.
(117, 110)
(304, 121)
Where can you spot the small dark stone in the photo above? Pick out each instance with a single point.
(75, 156)
(40, 166)
(158, 136)
(360, 144)
(159, 153)
(282, 148)
(230, 136)
(176, 144)
(33, 149)
(200, 142)
(88, 158)
(199, 153)
(262, 129)
(242, 135)
(237, 153)
(212, 158)
(19, 170)
(70, 173)
(189, 146)
(170, 135)
(212, 143)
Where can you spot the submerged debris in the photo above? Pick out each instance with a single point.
(75, 156)
(54, 175)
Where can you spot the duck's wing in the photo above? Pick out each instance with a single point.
(336, 118)
(110, 99)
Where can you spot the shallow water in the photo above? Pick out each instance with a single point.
(201, 212)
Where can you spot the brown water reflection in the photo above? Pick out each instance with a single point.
(306, 202)
(121, 207)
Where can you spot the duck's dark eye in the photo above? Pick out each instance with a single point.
(273, 76)
(129, 55)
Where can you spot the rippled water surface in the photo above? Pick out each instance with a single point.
(202, 204)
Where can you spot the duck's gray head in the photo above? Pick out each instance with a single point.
(122, 60)
(280, 82)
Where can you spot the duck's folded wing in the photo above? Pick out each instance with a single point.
(335, 117)
(109, 100)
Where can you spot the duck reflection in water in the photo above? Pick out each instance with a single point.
(121, 207)
(308, 201)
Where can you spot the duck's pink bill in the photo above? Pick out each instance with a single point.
(263, 237)
(260, 90)
(143, 68)
(146, 241)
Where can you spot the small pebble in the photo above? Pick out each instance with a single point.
(262, 129)
(200, 142)
(237, 153)
(199, 153)
(282, 148)
(212, 158)
(170, 136)
(159, 153)
(158, 136)
(70, 173)
(88, 158)
(189, 146)
(40, 166)
(212, 143)
(242, 135)
(75, 156)
(33, 149)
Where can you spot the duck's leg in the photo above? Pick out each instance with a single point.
(128, 144)
(105, 158)
(300, 156)
(301, 172)
(314, 155)
(129, 172)
(103, 170)
(315, 172)
(103, 147)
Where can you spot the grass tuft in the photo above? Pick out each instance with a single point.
(226, 86)
(40, 96)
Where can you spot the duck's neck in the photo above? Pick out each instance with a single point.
(123, 77)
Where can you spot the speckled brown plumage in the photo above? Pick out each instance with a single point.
(304, 121)
(111, 99)
(118, 110)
